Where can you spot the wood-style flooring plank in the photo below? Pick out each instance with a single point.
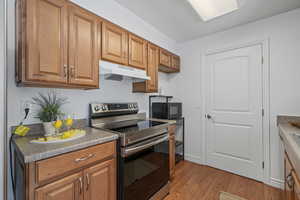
(198, 182)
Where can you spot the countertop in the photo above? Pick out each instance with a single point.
(290, 141)
(30, 152)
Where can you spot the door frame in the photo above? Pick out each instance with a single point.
(265, 43)
(3, 101)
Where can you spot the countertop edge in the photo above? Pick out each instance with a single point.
(290, 146)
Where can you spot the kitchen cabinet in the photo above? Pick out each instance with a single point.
(168, 62)
(42, 42)
(152, 71)
(84, 47)
(289, 182)
(68, 188)
(57, 45)
(101, 179)
(165, 58)
(114, 43)
(85, 174)
(172, 129)
(137, 52)
(175, 63)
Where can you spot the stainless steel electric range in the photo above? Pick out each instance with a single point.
(143, 149)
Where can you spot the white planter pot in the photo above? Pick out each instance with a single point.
(49, 128)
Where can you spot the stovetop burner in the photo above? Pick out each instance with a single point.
(139, 126)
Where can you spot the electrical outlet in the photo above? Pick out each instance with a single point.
(25, 104)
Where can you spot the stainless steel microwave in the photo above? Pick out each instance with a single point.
(170, 110)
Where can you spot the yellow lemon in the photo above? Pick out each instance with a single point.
(66, 135)
(57, 124)
(69, 122)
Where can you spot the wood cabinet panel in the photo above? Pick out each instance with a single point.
(152, 71)
(152, 68)
(288, 179)
(137, 52)
(68, 188)
(114, 43)
(101, 179)
(165, 58)
(53, 167)
(172, 156)
(84, 47)
(176, 63)
(46, 40)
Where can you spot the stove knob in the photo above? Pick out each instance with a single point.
(96, 108)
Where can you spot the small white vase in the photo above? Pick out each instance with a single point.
(49, 129)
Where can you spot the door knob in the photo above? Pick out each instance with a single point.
(208, 116)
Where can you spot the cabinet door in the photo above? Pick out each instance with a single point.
(176, 62)
(172, 155)
(137, 52)
(289, 183)
(114, 43)
(83, 48)
(165, 58)
(68, 188)
(152, 68)
(46, 52)
(100, 181)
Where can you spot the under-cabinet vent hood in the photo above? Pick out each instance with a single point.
(113, 71)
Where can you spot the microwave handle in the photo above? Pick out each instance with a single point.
(133, 150)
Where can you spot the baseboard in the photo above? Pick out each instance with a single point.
(276, 183)
(192, 158)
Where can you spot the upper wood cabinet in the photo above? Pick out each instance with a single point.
(165, 58)
(175, 63)
(168, 62)
(57, 45)
(84, 47)
(114, 43)
(152, 71)
(42, 41)
(137, 52)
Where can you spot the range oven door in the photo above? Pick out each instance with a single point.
(144, 168)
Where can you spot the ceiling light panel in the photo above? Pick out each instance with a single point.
(210, 9)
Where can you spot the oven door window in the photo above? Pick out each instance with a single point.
(146, 172)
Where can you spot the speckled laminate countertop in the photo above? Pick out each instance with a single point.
(290, 140)
(30, 152)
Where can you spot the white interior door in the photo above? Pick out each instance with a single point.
(234, 111)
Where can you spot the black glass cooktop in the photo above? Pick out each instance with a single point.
(141, 125)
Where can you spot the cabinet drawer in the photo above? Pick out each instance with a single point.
(52, 167)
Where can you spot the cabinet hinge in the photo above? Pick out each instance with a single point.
(263, 165)
(263, 112)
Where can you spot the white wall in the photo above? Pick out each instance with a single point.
(110, 90)
(2, 132)
(284, 33)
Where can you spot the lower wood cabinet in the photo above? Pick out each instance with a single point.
(172, 150)
(94, 178)
(100, 179)
(291, 181)
(68, 188)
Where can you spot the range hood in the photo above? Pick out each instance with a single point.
(113, 71)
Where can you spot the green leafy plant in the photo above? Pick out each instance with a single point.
(49, 106)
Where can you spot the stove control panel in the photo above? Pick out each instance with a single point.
(98, 109)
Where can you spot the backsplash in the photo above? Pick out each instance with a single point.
(110, 91)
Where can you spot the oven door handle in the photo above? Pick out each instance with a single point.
(133, 150)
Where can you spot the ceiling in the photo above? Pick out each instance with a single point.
(178, 20)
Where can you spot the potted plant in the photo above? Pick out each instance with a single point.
(49, 110)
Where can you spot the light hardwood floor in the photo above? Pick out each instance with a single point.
(197, 182)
